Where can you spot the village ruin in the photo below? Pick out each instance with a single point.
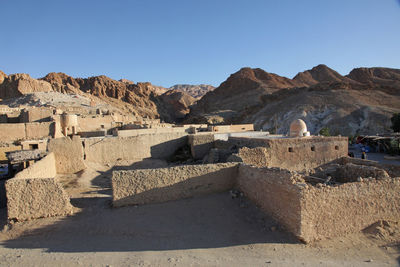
(308, 184)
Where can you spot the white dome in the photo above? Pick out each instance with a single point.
(297, 128)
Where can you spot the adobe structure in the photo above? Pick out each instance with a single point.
(306, 183)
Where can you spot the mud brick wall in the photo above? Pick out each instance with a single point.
(291, 153)
(36, 193)
(165, 184)
(110, 149)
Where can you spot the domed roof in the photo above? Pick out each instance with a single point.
(297, 128)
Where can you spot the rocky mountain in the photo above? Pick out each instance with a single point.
(320, 73)
(175, 105)
(196, 91)
(361, 102)
(16, 85)
(139, 99)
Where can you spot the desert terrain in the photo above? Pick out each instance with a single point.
(213, 230)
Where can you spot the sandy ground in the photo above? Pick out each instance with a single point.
(213, 230)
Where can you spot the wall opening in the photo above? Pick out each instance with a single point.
(33, 146)
(313, 148)
(290, 149)
(336, 147)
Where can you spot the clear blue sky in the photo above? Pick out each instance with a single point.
(195, 41)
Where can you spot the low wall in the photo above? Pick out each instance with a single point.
(392, 170)
(274, 191)
(319, 212)
(136, 132)
(291, 153)
(44, 168)
(231, 128)
(36, 193)
(335, 211)
(68, 154)
(165, 184)
(3, 150)
(200, 144)
(111, 149)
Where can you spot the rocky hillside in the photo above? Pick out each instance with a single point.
(361, 102)
(196, 91)
(140, 99)
(174, 105)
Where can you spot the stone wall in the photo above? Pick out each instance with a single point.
(36, 193)
(165, 184)
(36, 114)
(335, 211)
(291, 153)
(43, 168)
(20, 131)
(275, 192)
(231, 128)
(319, 212)
(111, 149)
(200, 144)
(94, 123)
(137, 132)
(12, 131)
(68, 153)
(3, 150)
(38, 130)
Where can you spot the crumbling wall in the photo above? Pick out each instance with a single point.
(200, 144)
(274, 190)
(329, 211)
(392, 170)
(36, 193)
(165, 184)
(352, 172)
(292, 153)
(111, 149)
(68, 154)
(323, 211)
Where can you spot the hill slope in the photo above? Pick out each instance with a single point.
(361, 102)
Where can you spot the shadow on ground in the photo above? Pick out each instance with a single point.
(211, 221)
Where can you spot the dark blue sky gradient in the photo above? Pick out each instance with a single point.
(189, 41)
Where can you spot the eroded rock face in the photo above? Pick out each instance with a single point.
(196, 91)
(361, 102)
(177, 105)
(16, 85)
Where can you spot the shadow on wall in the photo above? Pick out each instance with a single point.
(211, 182)
(167, 149)
(211, 221)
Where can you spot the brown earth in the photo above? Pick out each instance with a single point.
(361, 102)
